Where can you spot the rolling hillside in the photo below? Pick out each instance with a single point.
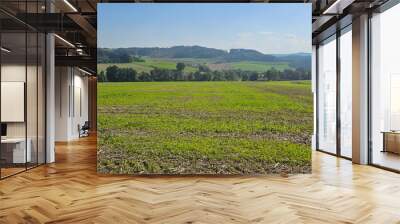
(206, 55)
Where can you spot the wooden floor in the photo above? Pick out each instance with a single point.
(5, 172)
(70, 191)
(386, 159)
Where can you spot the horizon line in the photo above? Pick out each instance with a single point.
(227, 50)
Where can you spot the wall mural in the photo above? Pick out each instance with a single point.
(204, 88)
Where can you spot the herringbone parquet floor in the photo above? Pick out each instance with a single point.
(70, 191)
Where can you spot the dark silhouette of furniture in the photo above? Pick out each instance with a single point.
(84, 129)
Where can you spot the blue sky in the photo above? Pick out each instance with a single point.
(268, 28)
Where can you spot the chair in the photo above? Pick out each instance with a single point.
(84, 130)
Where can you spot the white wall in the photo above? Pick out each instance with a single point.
(9, 73)
(70, 83)
(13, 101)
(33, 126)
(62, 82)
(17, 73)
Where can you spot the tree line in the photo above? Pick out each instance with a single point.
(120, 58)
(116, 74)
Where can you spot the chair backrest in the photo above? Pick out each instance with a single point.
(86, 125)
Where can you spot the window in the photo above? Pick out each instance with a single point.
(346, 93)
(385, 89)
(22, 89)
(327, 96)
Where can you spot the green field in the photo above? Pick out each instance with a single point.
(259, 66)
(147, 66)
(204, 127)
(151, 63)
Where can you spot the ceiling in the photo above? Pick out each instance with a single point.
(75, 21)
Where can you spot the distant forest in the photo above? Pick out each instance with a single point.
(116, 74)
(124, 55)
(300, 65)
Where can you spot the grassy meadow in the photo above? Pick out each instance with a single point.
(191, 65)
(146, 66)
(259, 66)
(205, 127)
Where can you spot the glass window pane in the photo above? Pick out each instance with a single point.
(13, 86)
(31, 97)
(385, 92)
(41, 98)
(23, 90)
(346, 94)
(327, 96)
